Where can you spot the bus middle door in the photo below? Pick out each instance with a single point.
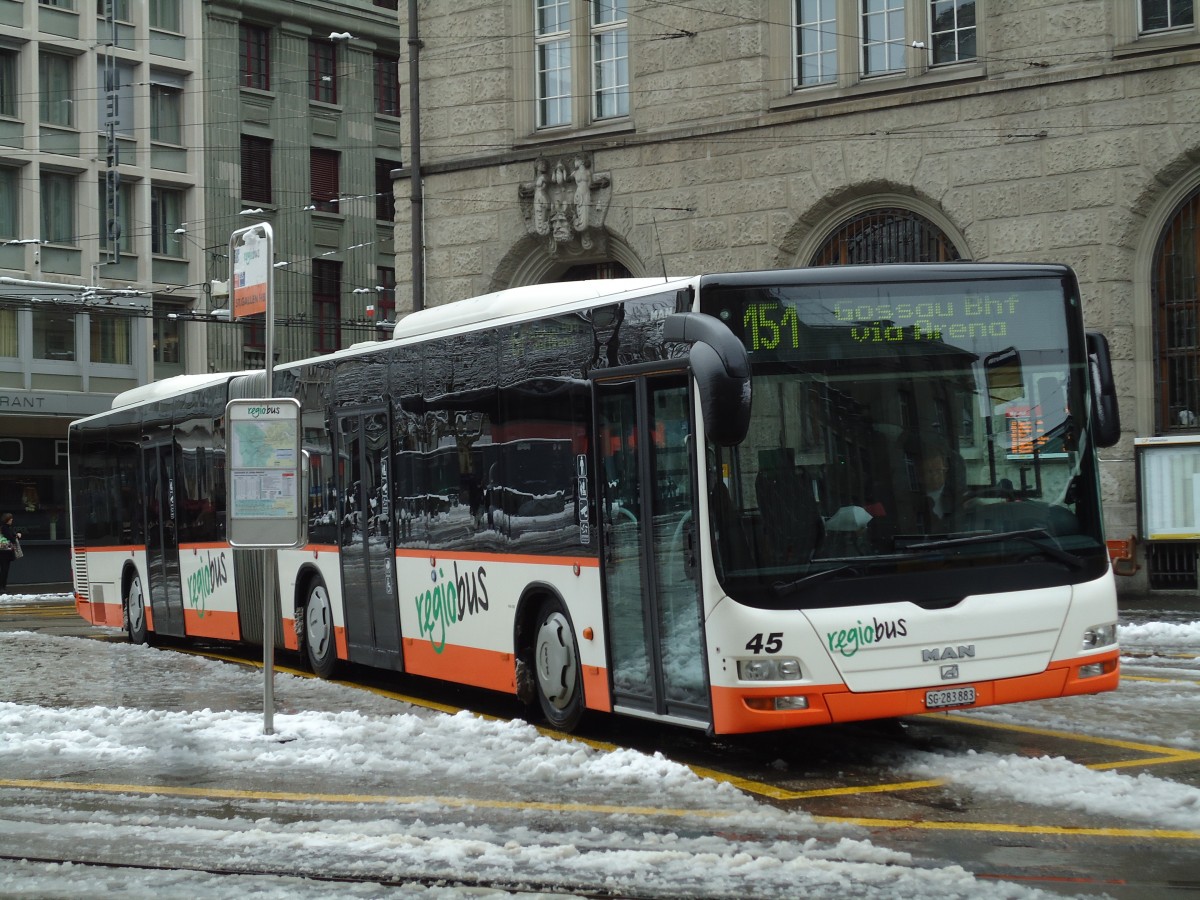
(165, 591)
(368, 548)
(650, 558)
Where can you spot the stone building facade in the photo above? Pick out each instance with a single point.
(561, 138)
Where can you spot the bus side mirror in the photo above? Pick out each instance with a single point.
(721, 367)
(1106, 418)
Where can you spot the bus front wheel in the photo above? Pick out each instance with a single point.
(556, 664)
(319, 639)
(135, 612)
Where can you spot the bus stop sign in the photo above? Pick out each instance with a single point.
(265, 494)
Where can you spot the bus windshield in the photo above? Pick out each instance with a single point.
(914, 433)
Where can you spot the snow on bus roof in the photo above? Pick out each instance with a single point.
(167, 387)
(514, 302)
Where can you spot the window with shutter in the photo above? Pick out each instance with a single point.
(385, 200)
(256, 169)
(324, 179)
(327, 305)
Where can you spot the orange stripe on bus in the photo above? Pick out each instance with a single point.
(98, 613)
(586, 562)
(595, 689)
(491, 669)
(290, 641)
(733, 714)
(211, 624)
(466, 665)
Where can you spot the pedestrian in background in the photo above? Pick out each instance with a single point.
(9, 536)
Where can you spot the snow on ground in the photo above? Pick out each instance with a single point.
(1061, 784)
(1157, 701)
(22, 599)
(414, 801)
(1156, 707)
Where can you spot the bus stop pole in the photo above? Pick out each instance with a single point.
(269, 555)
(252, 293)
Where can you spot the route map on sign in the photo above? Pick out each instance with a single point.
(266, 444)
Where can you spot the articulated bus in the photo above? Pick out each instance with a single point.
(737, 502)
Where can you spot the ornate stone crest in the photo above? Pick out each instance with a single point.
(566, 203)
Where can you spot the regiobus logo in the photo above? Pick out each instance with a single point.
(257, 412)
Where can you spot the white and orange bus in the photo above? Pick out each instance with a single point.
(737, 502)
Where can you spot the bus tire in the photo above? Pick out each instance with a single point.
(556, 667)
(319, 637)
(135, 612)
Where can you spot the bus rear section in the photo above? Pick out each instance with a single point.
(913, 521)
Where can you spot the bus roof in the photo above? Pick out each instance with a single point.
(168, 387)
(885, 273)
(516, 302)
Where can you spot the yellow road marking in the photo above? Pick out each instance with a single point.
(1159, 680)
(42, 609)
(208, 793)
(1005, 828)
(366, 799)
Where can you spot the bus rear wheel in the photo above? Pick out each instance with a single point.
(319, 639)
(556, 665)
(135, 612)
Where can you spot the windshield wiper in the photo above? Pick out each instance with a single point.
(783, 588)
(1029, 535)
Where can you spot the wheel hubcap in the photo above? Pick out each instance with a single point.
(555, 661)
(317, 622)
(137, 607)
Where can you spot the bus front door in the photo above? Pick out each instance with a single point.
(165, 592)
(650, 554)
(367, 545)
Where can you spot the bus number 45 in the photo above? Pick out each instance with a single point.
(773, 643)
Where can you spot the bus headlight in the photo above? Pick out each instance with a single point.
(1100, 636)
(783, 668)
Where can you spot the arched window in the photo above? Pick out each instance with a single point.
(1177, 321)
(886, 235)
